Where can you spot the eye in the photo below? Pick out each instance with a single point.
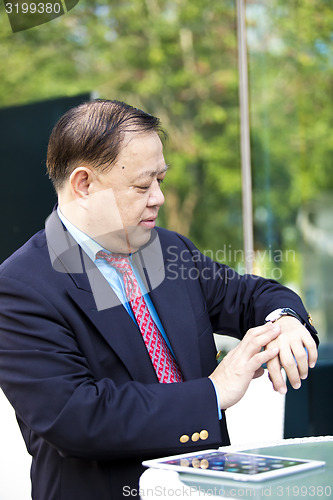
(147, 187)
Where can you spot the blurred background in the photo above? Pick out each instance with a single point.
(181, 61)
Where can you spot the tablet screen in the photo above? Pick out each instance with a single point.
(233, 462)
(234, 465)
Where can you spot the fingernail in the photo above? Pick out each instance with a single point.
(312, 365)
(283, 390)
(297, 386)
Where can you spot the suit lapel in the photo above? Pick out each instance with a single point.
(120, 332)
(175, 312)
(92, 293)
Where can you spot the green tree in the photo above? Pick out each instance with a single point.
(175, 59)
(178, 59)
(291, 81)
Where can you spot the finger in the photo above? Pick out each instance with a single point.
(288, 362)
(311, 347)
(275, 375)
(301, 359)
(263, 357)
(269, 377)
(273, 331)
(258, 337)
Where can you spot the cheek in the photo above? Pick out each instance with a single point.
(132, 205)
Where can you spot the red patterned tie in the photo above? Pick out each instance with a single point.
(166, 367)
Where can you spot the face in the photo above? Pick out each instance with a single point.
(122, 204)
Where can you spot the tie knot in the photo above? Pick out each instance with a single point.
(119, 262)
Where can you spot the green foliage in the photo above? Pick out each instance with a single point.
(177, 59)
(291, 81)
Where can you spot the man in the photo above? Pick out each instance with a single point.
(106, 341)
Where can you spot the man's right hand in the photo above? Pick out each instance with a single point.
(243, 363)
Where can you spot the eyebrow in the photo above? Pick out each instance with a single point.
(150, 173)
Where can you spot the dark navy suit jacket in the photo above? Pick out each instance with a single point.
(74, 366)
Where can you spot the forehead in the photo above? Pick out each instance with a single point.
(142, 155)
(135, 143)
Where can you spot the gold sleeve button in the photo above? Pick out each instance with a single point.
(195, 436)
(184, 438)
(203, 434)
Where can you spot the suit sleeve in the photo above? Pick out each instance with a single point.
(238, 302)
(47, 379)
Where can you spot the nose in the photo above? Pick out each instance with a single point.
(156, 197)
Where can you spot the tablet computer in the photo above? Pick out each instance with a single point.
(233, 465)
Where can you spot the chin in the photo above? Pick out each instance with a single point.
(125, 241)
(137, 238)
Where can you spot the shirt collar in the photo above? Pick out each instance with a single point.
(90, 246)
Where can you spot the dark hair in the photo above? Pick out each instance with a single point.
(93, 132)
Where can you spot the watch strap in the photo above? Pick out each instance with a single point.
(284, 311)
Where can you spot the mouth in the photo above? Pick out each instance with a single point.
(148, 223)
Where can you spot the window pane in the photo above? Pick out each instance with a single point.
(291, 75)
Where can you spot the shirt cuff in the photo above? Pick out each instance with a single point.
(219, 411)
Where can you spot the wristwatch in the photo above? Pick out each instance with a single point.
(284, 311)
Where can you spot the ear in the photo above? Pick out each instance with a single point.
(80, 181)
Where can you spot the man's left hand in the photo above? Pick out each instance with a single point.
(297, 352)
